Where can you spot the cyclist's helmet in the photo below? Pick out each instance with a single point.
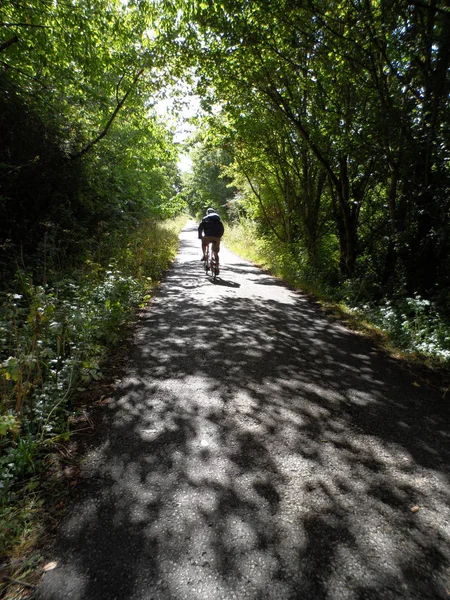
(210, 210)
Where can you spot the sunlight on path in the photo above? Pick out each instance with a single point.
(238, 276)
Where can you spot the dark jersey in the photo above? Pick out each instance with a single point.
(211, 225)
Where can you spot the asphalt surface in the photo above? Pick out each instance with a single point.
(257, 451)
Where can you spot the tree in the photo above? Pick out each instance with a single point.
(365, 87)
(80, 144)
(207, 184)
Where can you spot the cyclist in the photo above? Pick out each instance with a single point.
(211, 228)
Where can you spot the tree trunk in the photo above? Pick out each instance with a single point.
(346, 221)
(391, 258)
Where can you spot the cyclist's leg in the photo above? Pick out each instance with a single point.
(216, 248)
(204, 248)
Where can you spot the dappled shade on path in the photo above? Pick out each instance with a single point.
(258, 451)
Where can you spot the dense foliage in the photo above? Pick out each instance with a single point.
(207, 185)
(336, 116)
(81, 149)
(338, 111)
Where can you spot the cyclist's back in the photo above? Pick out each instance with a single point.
(211, 230)
(211, 225)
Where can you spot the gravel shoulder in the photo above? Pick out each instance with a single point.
(255, 450)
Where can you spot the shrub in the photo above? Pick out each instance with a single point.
(413, 324)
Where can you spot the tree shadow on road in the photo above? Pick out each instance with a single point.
(260, 451)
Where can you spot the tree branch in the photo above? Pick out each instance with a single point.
(8, 66)
(444, 9)
(8, 43)
(266, 218)
(105, 130)
(25, 25)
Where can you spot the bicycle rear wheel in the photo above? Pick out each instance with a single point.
(214, 269)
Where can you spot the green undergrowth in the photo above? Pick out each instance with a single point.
(242, 238)
(415, 328)
(54, 339)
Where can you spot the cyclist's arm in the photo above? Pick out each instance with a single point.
(200, 230)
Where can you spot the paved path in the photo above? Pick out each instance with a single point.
(256, 451)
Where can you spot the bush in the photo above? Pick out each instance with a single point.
(413, 325)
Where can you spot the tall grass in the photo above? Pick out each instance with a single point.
(242, 237)
(289, 262)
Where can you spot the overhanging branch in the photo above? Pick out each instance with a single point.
(105, 130)
(4, 45)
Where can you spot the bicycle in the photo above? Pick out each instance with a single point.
(210, 262)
